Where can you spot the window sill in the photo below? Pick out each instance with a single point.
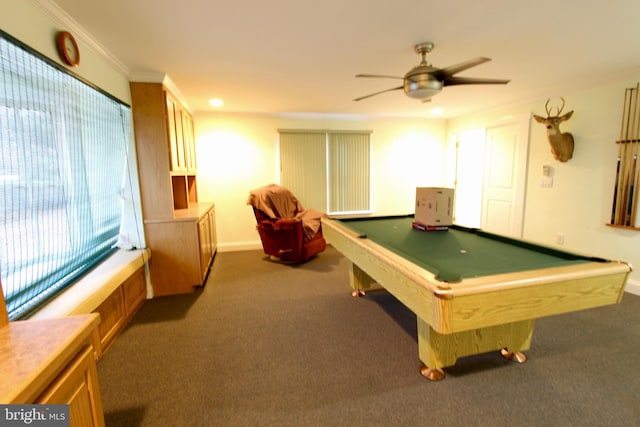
(89, 292)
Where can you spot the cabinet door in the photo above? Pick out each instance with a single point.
(204, 236)
(78, 387)
(135, 292)
(189, 142)
(112, 317)
(175, 246)
(214, 236)
(176, 140)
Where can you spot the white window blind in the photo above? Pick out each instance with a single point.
(327, 170)
(348, 172)
(64, 146)
(303, 167)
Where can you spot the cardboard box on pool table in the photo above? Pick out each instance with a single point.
(434, 206)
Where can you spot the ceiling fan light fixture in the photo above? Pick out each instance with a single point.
(422, 89)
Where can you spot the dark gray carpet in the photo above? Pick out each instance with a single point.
(265, 344)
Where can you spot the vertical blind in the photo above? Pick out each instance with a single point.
(327, 170)
(64, 146)
(303, 167)
(349, 172)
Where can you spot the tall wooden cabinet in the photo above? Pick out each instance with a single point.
(180, 230)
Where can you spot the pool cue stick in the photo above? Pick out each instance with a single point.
(624, 190)
(634, 202)
(625, 214)
(623, 161)
(615, 190)
(631, 192)
(633, 197)
(623, 139)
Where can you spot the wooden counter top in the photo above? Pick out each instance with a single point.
(33, 352)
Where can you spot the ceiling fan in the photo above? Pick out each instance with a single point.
(424, 81)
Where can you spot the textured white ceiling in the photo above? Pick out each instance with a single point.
(301, 56)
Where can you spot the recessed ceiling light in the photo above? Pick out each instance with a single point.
(215, 102)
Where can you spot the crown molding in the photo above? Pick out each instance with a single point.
(63, 20)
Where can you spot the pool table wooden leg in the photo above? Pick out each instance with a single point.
(360, 281)
(437, 350)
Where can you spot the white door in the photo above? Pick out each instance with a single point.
(468, 179)
(505, 171)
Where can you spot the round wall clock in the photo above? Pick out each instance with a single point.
(68, 48)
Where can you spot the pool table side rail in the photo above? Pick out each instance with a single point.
(551, 295)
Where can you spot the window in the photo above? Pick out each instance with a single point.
(327, 170)
(64, 155)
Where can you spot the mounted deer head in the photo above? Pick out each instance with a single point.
(561, 143)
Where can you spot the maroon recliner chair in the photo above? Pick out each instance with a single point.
(288, 232)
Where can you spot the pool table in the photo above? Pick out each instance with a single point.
(472, 291)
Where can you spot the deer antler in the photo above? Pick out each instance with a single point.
(548, 110)
(561, 108)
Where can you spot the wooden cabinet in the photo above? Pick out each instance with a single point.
(182, 249)
(166, 150)
(180, 230)
(51, 361)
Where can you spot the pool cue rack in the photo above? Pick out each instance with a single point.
(625, 195)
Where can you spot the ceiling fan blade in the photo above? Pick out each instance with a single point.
(378, 76)
(443, 73)
(378, 93)
(450, 81)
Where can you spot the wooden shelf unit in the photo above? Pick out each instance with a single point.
(173, 216)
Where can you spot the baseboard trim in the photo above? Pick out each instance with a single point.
(633, 287)
(239, 246)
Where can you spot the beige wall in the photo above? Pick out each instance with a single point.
(30, 24)
(237, 153)
(579, 203)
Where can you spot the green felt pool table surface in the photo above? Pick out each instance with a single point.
(459, 253)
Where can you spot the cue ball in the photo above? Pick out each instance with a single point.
(462, 251)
